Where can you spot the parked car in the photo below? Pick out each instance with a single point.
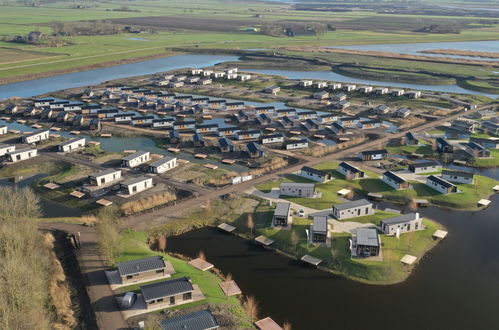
(301, 213)
(128, 299)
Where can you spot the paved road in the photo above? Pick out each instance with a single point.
(92, 267)
(163, 215)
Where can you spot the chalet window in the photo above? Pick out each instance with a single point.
(187, 296)
(172, 300)
(128, 277)
(159, 271)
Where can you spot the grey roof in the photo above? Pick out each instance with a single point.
(166, 288)
(349, 167)
(225, 142)
(201, 320)
(458, 173)
(314, 170)
(367, 237)
(105, 172)
(162, 161)
(352, 204)
(440, 181)
(374, 152)
(135, 180)
(424, 164)
(140, 265)
(282, 209)
(68, 142)
(401, 219)
(298, 185)
(136, 155)
(320, 224)
(394, 177)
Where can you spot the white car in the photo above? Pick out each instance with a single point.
(301, 213)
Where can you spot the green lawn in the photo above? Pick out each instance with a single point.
(404, 150)
(134, 246)
(488, 162)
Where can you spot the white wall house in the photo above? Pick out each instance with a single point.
(71, 145)
(36, 137)
(163, 165)
(297, 189)
(3, 130)
(395, 181)
(315, 174)
(136, 159)
(296, 144)
(353, 209)
(440, 185)
(425, 167)
(403, 224)
(21, 154)
(105, 177)
(136, 185)
(458, 176)
(273, 138)
(5, 148)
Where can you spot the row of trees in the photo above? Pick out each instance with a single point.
(85, 28)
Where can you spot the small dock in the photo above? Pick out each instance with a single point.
(414, 155)
(440, 234)
(270, 129)
(201, 156)
(94, 143)
(375, 196)
(311, 260)
(211, 166)
(392, 210)
(37, 126)
(14, 131)
(319, 136)
(77, 194)
(229, 161)
(75, 132)
(295, 132)
(200, 264)
(267, 324)
(408, 259)
(104, 202)
(459, 162)
(230, 288)
(264, 240)
(484, 202)
(496, 188)
(343, 192)
(129, 151)
(226, 227)
(174, 150)
(422, 202)
(106, 135)
(51, 186)
(56, 129)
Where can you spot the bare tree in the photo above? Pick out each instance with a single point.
(250, 305)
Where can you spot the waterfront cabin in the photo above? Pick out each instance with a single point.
(62, 116)
(350, 172)
(373, 155)
(198, 140)
(201, 320)
(334, 86)
(142, 120)
(285, 112)
(145, 269)
(458, 176)
(444, 146)
(306, 115)
(195, 71)
(402, 113)
(41, 103)
(168, 293)
(36, 137)
(46, 113)
(72, 145)
(341, 105)
(21, 154)
(322, 95)
(175, 84)
(174, 136)
(491, 143)
(414, 94)
(3, 130)
(327, 118)
(305, 83)
(315, 174)
(243, 77)
(490, 127)
(255, 150)
(381, 91)
(226, 145)
(162, 122)
(353, 209)
(463, 125)
(58, 105)
(476, 150)
(398, 92)
(6, 148)
(227, 131)
(105, 178)
(247, 135)
(349, 121)
(205, 81)
(339, 97)
(206, 128)
(215, 104)
(272, 138)
(297, 189)
(162, 165)
(320, 84)
(263, 119)
(395, 181)
(77, 120)
(350, 87)
(440, 185)
(272, 90)
(264, 110)
(425, 167)
(319, 232)
(136, 159)
(234, 106)
(207, 73)
(282, 214)
(231, 70)
(367, 242)
(29, 112)
(217, 74)
(287, 122)
(366, 89)
(402, 224)
(94, 124)
(75, 106)
(135, 185)
(296, 144)
(184, 125)
(368, 124)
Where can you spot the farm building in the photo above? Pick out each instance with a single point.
(104, 178)
(350, 172)
(282, 214)
(319, 232)
(138, 270)
(458, 176)
(6, 148)
(162, 165)
(373, 155)
(36, 137)
(226, 145)
(440, 185)
(476, 150)
(255, 150)
(296, 144)
(21, 154)
(315, 174)
(272, 138)
(403, 224)
(135, 185)
(425, 167)
(136, 159)
(353, 209)
(201, 320)
(297, 189)
(71, 145)
(168, 293)
(395, 181)
(367, 242)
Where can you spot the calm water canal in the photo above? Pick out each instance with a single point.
(455, 287)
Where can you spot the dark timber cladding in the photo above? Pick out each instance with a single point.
(458, 173)
(167, 288)
(140, 265)
(202, 320)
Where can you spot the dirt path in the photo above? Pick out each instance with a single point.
(92, 267)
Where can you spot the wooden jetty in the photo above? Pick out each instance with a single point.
(264, 240)
(311, 260)
(226, 227)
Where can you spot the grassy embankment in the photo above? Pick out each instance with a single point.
(337, 258)
(467, 199)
